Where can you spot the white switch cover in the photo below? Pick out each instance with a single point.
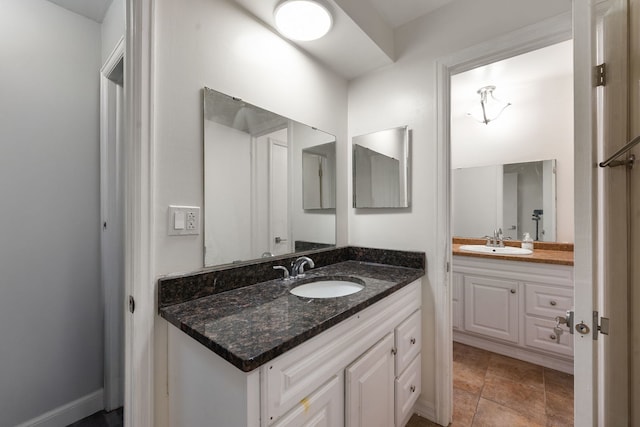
(183, 220)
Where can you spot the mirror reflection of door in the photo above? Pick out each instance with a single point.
(279, 198)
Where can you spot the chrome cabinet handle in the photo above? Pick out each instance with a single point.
(413, 389)
(513, 291)
(553, 303)
(412, 340)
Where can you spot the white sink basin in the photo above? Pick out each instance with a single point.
(327, 289)
(507, 250)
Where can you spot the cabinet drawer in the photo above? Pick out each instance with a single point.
(539, 332)
(408, 340)
(547, 301)
(408, 388)
(324, 407)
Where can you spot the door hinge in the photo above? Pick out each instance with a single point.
(448, 267)
(601, 74)
(600, 325)
(132, 304)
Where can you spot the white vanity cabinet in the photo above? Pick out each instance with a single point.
(364, 371)
(509, 307)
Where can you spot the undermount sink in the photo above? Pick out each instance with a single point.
(507, 250)
(328, 288)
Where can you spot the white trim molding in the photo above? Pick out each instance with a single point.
(139, 202)
(68, 413)
(536, 36)
(425, 409)
(111, 207)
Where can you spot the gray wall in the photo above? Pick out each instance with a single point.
(50, 305)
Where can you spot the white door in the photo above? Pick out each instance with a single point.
(510, 205)
(369, 396)
(279, 197)
(599, 284)
(613, 350)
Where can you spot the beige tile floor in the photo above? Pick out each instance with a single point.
(494, 391)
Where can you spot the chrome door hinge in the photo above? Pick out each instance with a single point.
(132, 304)
(600, 325)
(601, 74)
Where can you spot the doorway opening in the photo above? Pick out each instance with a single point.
(512, 182)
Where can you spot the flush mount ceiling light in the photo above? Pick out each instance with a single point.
(302, 20)
(490, 107)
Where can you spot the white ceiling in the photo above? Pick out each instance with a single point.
(532, 68)
(361, 39)
(398, 12)
(92, 9)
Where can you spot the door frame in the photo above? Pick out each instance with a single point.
(551, 31)
(139, 221)
(111, 241)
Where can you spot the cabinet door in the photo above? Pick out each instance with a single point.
(323, 408)
(491, 307)
(369, 387)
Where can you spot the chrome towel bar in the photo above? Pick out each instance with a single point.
(612, 162)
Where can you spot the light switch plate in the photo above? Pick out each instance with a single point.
(183, 220)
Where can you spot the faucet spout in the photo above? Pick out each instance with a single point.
(298, 266)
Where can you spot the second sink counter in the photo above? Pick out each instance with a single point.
(251, 325)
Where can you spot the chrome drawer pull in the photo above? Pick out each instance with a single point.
(412, 340)
(553, 303)
(413, 389)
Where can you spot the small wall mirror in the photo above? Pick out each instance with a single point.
(518, 197)
(381, 169)
(254, 202)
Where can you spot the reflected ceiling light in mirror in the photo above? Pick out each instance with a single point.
(302, 20)
(490, 107)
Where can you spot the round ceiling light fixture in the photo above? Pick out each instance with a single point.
(302, 20)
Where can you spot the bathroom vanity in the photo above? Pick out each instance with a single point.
(257, 355)
(508, 304)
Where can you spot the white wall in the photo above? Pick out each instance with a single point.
(217, 44)
(538, 126)
(404, 93)
(113, 26)
(227, 231)
(50, 304)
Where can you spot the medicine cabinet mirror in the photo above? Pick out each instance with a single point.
(381, 169)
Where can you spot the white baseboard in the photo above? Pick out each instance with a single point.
(70, 412)
(425, 409)
(531, 356)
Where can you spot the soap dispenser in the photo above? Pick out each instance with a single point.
(527, 242)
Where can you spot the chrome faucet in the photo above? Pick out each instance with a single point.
(284, 269)
(297, 269)
(497, 240)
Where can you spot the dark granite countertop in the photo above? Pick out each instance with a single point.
(251, 325)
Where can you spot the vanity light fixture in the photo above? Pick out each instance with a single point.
(490, 107)
(302, 20)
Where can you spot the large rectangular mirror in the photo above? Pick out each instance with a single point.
(254, 168)
(381, 169)
(519, 198)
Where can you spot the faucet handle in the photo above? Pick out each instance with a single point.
(283, 268)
